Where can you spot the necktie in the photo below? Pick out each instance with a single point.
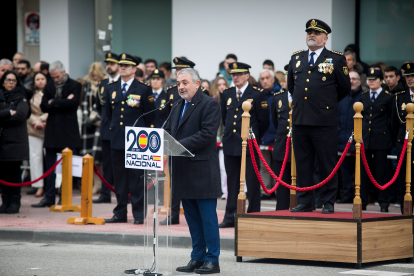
(239, 95)
(311, 61)
(155, 95)
(373, 97)
(182, 113)
(412, 97)
(124, 89)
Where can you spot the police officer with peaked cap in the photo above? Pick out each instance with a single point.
(231, 109)
(317, 79)
(112, 68)
(160, 97)
(127, 99)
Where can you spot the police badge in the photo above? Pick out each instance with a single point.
(279, 103)
(229, 101)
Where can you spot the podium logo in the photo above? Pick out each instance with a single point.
(143, 142)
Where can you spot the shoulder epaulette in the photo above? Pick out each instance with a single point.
(338, 53)
(280, 92)
(258, 89)
(386, 92)
(203, 89)
(366, 91)
(297, 52)
(144, 83)
(168, 88)
(400, 92)
(113, 82)
(228, 88)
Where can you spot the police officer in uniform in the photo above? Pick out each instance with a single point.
(376, 134)
(402, 98)
(112, 68)
(127, 99)
(317, 79)
(157, 80)
(231, 109)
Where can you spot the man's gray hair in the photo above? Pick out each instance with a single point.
(6, 61)
(350, 53)
(267, 70)
(192, 72)
(57, 65)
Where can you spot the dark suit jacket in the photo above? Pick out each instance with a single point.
(121, 114)
(316, 94)
(196, 177)
(399, 112)
(160, 114)
(376, 127)
(280, 118)
(100, 106)
(231, 112)
(62, 129)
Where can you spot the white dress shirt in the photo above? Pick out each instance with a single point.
(378, 92)
(242, 89)
(128, 84)
(316, 55)
(113, 79)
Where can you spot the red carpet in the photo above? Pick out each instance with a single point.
(318, 214)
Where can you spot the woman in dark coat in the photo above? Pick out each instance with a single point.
(14, 143)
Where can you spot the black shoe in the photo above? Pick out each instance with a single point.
(208, 268)
(190, 266)
(138, 221)
(226, 224)
(4, 207)
(384, 209)
(345, 200)
(43, 203)
(102, 200)
(168, 220)
(115, 219)
(318, 206)
(328, 209)
(301, 208)
(13, 208)
(32, 191)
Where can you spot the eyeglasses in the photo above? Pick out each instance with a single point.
(237, 74)
(10, 80)
(354, 79)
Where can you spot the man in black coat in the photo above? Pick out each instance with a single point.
(194, 123)
(317, 79)
(376, 134)
(127, 99)
(61, 101)
(231, 111)
(112, 68)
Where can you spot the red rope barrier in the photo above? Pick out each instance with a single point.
(46, 174)
(305, 189)
(397, 171)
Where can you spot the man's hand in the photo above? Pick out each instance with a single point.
(71, 96)
(38, 125)
(50, 101)
(13, 112)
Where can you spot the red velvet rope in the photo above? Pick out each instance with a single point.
(305, 189)
(397, 171)
(49, 171)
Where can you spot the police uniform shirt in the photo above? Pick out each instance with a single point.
(127, 86)
(316, 55)
(377, 93)
(157, 93)
(241, 90)
(114, 79)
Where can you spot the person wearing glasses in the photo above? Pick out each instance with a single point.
(231, 109)
(14, 142)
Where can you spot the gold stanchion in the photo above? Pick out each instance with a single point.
(241, 200)
(293, 198)
(408, 201)
(86, 195)
(357, 207)
(66, 187)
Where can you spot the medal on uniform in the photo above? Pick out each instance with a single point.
(403, 106)
(346, 71)
(229, 101)
(133, 100)
(280, 103)
(326, 66)
(113, 95)
(249, 100)
(324, 78)
(264, 104)
(298, 64)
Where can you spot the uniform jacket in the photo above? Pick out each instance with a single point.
(280, 119)
(195, 177)
(398, 126)
(376, 127)
(231, 111)
(122, 114)
(100, 106)
(268, 137)
(62, 129)
(14, 141)
(160, 114)
(316, 94)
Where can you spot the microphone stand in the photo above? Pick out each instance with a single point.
(162, 107)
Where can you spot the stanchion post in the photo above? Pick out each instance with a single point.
(66, 187)
(408, 200)
(241, 200)
(357, 207)
(86, 195)
(293, 198)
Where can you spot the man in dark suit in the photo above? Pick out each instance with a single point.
(194, 123)
(127, 99)
(376, 134)
(60, 100)
(112, 68)
(231, 111)
(317, 79)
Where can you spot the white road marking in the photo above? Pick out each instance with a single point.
(401, 265)
(375, 273)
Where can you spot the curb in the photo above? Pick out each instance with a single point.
(97, 238)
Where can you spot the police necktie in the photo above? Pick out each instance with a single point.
(124, 89)
(155, 95)
(182, 113)
(412, 97)
(311, 61)
(239, 95)
(373, 97)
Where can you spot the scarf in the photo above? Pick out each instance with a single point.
(59, 86)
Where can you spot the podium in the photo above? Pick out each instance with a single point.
(157, 242)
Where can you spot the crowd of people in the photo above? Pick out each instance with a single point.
(43, 111)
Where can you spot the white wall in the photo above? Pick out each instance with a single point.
(206, 31)
(343, 24)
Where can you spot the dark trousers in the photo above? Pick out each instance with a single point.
(201, 217)
(233, 165)
(107, 169)
(128, 181)
(282, 193)
(50, 160)
(10, 172)
(310, 142)
(347, 176)
(378, 167)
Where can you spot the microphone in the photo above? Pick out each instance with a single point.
(162, 107)
(169, 114)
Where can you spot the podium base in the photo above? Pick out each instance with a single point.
(65, 208)
(83, 221)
